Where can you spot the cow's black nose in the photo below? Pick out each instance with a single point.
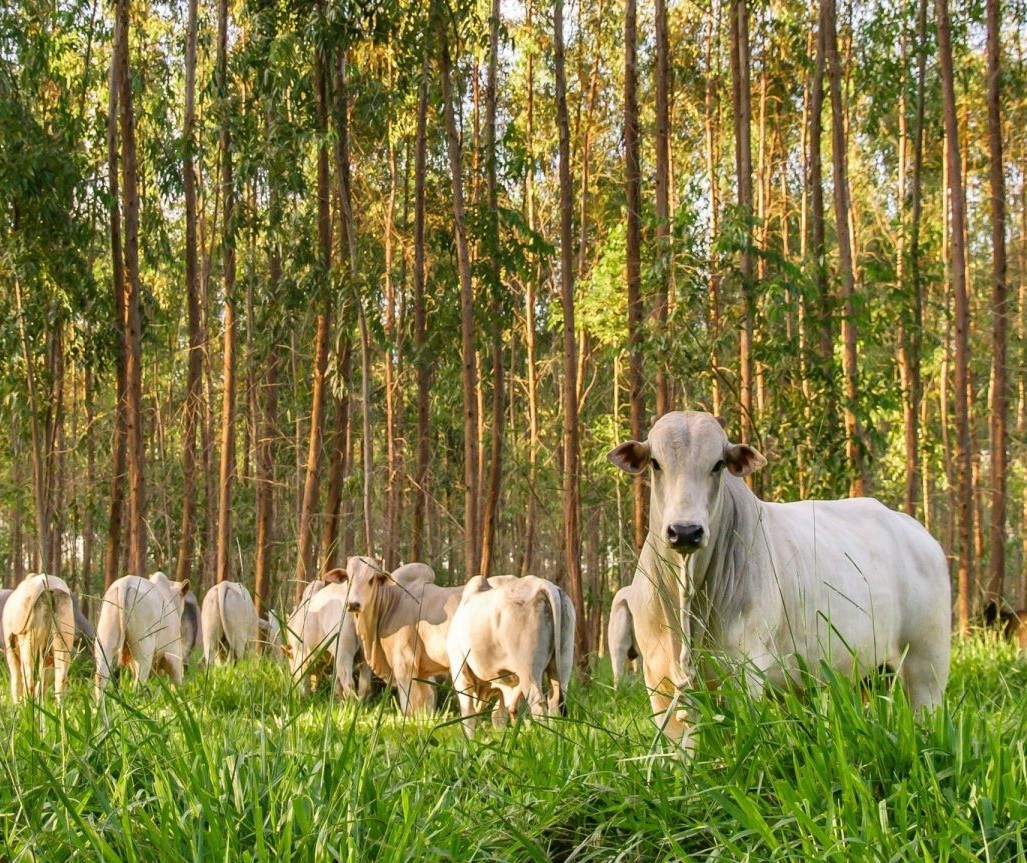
(684, 537)
(353, 607)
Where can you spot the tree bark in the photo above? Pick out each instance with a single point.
(570, 486)
(115, 523)
(664, 246)
(999, 310)
(305, 563)
(422, 361)
(472, 553)
(741, 98)
(853, 434)
(490, 516)
(192, 287)
(137, 562)
(632, 175)
(961, 322)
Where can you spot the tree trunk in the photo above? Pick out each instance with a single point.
(490, 515)
(570, 489)
(961, 323)
(472, 553)
(192, 287)
(711, 106)
(853, 434)
(115, 523)
(664, 247)
(133, 322)
(741, 97)
(632, 175)
(1000, 310)
(393, 392)
(305, 563)
(422, 361)
(265, 466)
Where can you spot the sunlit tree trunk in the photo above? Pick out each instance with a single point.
(741, 99)
(490, 515)
(305, 552)
(467, 352)
(137, 562)
(119, 448)
(421, 359)
(1000, 310)
(961, 322)
(632, 177)
(571, 501)
(226, 475)
(664, 247)
(853, 442)
(192, 286)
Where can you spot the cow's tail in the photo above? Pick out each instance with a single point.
(556, 683)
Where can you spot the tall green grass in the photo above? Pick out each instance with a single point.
(235, 766)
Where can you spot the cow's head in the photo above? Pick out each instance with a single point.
(364, 575)
(687, 453)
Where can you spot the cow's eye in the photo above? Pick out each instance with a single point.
(719, 466)
(655, 464)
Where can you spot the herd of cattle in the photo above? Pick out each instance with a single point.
(505, 635)
(726, 584)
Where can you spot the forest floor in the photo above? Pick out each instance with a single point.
(235, 766)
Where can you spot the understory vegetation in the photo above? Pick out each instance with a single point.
(236, 766)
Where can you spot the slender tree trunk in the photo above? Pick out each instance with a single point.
(853, 435)
(531, 514)
(422, 361)
(366, 441)
(711, 107)
(472, 553)
(632, 174)
(961, 322)
(741, 96)
(133, 321)
(115, 523)
(192, 287)
(305, 563)
(1000, 310)
(393, 406)
(490, 516)
(664, 247)
(227, 471)
(571, 502)
(89, 398)
(265, 466)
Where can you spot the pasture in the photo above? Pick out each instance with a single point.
(236, 766)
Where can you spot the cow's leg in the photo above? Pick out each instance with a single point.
(363, 680)
(142, 663)
(422, 697)
(61, 662)
(31, 668)
(173, 664)
(14, 667)
(468, 691)
(924, 673)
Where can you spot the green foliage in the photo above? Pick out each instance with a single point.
(236, 766)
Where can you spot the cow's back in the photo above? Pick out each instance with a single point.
(851, 579)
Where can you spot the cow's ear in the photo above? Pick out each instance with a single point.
(722, 421)
(335, 576)
(632, 456)
(381, 577)
(742, 460)
(184, 589)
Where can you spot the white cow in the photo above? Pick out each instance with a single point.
(84, 631)
(620, 634)
(140, 626)
(775, 588)
(269, 636)
(229, 622)
(190, 625)
(507, 634)
(38, 631)
(320, 623)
